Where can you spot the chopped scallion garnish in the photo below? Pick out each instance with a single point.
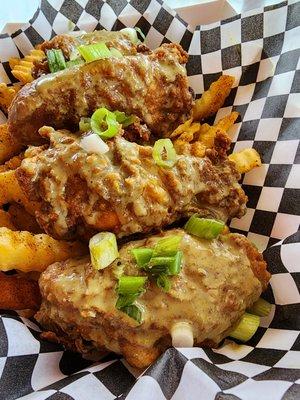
(163, 282)
(129, 288)
(164, 153)
(95, 51)
(123, 119)
(74, 63)
(103, 249)
(56, 60)
(115, 53)
(203, 227)
(133, 311)
(142, 255)
(175, 267)
(85, 124)
(167, 246)
(126, 300)
(246, 327)
(131, 284)
(141, 33)
(104, 123)
(261, 307)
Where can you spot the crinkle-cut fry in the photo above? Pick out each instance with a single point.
(10, 191)
(19, 293)
(8, 146)
(208, 133)
(213, 98)
(245, 160)
(226, 122)
(181, 129)
(22, 220)
(22, 68)
(12, 163)
(6, 221)
(7, 94)
(28, 252)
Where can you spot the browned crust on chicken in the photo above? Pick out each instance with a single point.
(153, 87)
(258, 264)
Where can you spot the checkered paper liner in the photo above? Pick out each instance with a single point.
(261, 49)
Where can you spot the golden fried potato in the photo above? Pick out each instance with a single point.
(213, 98)
(245, 160)
(5, 220)
(8, 147)
(22, 220)
(22, 68)
(28, 252)
(11, 192)
(19, 293)
(7, 93)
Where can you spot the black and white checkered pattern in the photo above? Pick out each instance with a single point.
(261, 49)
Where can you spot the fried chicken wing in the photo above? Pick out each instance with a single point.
(219, 280)
(152, 86)
(123, 190)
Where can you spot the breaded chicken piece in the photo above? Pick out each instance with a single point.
(219, 280)
(153, 86)
(124, 190)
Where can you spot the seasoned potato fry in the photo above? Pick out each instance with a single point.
(22, 220)
(7, 93)
(181, 128)
(10, 191)
(22, 68)
(245, 160)
(19, 293)
(213, 98)
(27, 252)
(8, 147)
(5, 220)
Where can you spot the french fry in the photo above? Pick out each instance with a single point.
(12, 163)
(19, 293)
(8, 147)
(245, 160)
(22, 68)
(5, 220)
(181, 128)
(27, 252)
(10, 191)
(22, 220)
(7, 94)
(213, 98)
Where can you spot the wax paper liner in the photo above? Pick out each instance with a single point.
(261, 49)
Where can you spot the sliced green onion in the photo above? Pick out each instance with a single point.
(159, 265)
(126, 300)
(104, 123)
(142, 255)
(85, 124)
(246, 327)
(203, 227)
(175, 267)
(131, 284)
(115, 53)
(164, 153)
(163, 282)
(133, 311)
(56, 60)
(95, 51)
(103, 249)
(141, 33)
(73, 63)
(167, 246)
(131, 34)
(261, 307)
(123, 119)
